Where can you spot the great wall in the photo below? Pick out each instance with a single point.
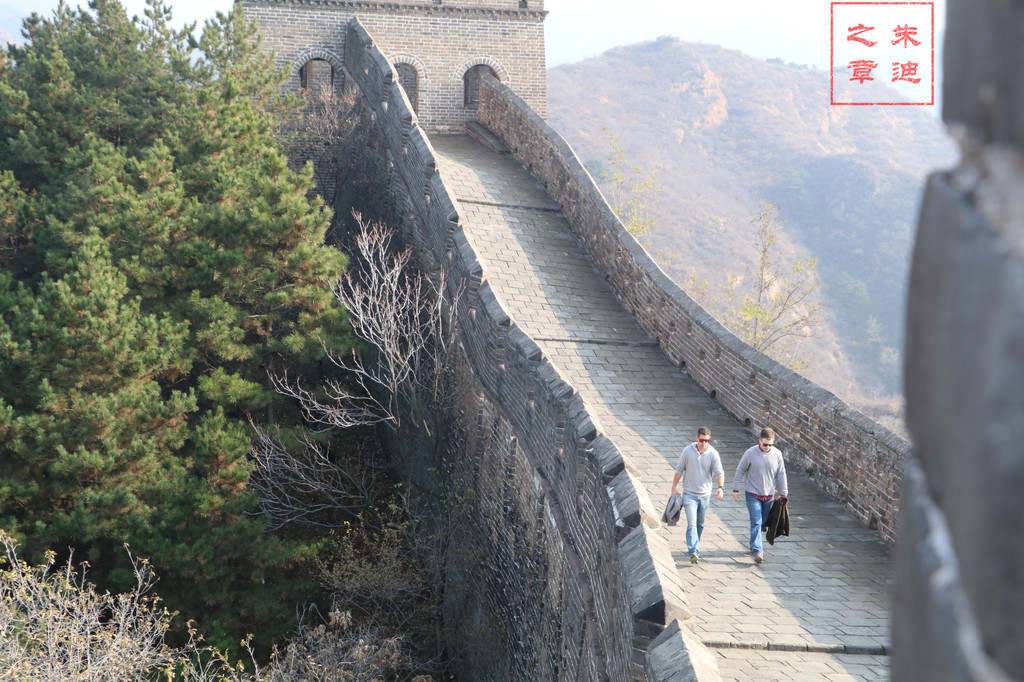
(574, 576)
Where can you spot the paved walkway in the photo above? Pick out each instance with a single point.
(818, 608)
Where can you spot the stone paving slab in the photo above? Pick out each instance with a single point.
(818, 608)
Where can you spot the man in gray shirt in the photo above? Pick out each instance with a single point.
(699, 465)
(761, 473)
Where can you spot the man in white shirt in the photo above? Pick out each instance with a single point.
(699, 465)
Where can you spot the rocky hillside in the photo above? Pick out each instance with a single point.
(724, 132)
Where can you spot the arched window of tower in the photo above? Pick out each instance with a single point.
(409, 80)
(316, 74)
(471, 84)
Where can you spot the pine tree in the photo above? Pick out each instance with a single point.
(87, 425)
(158, 258)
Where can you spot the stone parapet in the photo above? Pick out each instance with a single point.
(572, 583)
(984, 50)
(959, 597)
(676, 655)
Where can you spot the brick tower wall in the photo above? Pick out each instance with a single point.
(440, 40)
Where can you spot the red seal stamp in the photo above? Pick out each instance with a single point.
(882, 43)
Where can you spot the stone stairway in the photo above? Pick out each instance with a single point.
(818, 608)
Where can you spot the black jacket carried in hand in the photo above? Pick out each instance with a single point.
(778, 520)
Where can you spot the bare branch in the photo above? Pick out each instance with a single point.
(404, 321)
(400, 372)
(55, 626)
(329, 129)
(308, 488)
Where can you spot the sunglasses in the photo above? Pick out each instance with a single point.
(703, 440)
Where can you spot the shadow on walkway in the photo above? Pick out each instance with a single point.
(818, 608)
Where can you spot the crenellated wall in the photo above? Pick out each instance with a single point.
(853, 458)
(556, 576)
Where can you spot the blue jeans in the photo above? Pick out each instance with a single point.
(758, 515)
(696, 507)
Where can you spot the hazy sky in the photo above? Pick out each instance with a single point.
(794, 30)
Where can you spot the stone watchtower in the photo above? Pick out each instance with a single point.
(439, 48)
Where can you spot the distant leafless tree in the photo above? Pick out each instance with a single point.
(337, 134)
(771, 311)
(330, 123)
(337, 651)
(633, 191)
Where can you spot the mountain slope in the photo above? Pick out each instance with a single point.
(725, 131)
